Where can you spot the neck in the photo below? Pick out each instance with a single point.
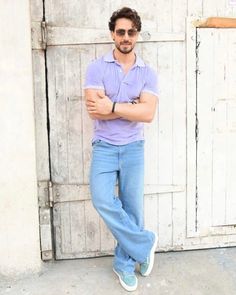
(124, 58)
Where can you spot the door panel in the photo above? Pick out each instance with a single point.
(72, 43)
(216, 111)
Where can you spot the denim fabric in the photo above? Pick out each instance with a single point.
(122, 214)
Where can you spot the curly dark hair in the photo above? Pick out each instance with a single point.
(128, 13)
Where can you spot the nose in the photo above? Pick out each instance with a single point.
(126, 36)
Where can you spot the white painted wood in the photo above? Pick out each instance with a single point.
(40, 107)
(92, 228)
(151, 216)
(213, 7)
(165, 228)
(107, 241)
(179, 12)
(80, 192)
(165, 160)
(191, 121)
(77, 227)
(78, 13)
(205, 96)
(170, 196)
(218, 8)
(164, 16)
(36, 35)
(217, 135)
(74, 36)
(165, 141)
(179, 143)
(36, 10)
(230, 9)
(194, 8)
(209, 8)
(88, 53)
(65, 106)
(150, 56)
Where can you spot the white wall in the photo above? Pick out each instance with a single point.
(19, 228)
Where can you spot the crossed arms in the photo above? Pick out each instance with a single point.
(99, 106)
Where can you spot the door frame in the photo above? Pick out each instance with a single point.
(192, 72)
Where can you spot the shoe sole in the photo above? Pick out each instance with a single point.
(127, 288)
(152, 258)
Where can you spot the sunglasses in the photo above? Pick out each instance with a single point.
(131, 32)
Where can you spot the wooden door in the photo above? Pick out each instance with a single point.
(76, 34)
(72, 34)
(216, 143)
(75, 42)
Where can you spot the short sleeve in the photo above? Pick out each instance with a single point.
(151, 82)
(94, 77)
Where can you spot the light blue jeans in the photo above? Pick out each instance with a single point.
(122, 214)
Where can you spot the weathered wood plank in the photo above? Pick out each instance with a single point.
(165, 160)
(150, 56)
(214, 7)
(179, 142)
(73, 101)
(205, 99)
(36, 9)
(200, 8)
(107, 240)
(77, 227)
(165, 227)
(191, 73)
(164, 16)
(194, 8)
(151, 214)
(179, 12)
(215, 182)
(78, 13)
(59, 36)
(80, 192)
(86, 56)
(65, 104)
(65, 228)
(92, 227)
(40, 102)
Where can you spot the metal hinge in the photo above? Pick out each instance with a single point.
(45, 219)
(44, 34)
(45, 194)
(50, 194)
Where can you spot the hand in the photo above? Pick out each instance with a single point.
(101, 105)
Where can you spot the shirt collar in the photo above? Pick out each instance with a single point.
(110, 58)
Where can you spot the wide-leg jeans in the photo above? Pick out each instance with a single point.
(123, 214)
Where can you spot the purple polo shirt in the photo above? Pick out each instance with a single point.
(106, 73)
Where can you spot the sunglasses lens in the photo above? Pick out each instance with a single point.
(122, 32)
(132, 33)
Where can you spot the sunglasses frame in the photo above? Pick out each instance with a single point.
(122, 32)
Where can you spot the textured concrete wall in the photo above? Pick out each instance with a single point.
(19, 228)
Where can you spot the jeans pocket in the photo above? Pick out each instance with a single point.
(96, 142)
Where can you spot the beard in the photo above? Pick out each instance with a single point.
(127, 47)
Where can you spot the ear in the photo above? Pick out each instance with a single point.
(113, 35)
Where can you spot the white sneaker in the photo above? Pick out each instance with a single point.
(146, 266)
(128, 281)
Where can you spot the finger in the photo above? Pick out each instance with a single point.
(90, 100)
(101, 95)
(90, 104)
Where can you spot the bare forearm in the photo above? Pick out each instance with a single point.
(111, 116)
(141, 112)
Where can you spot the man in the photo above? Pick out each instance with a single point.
(121, 94)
